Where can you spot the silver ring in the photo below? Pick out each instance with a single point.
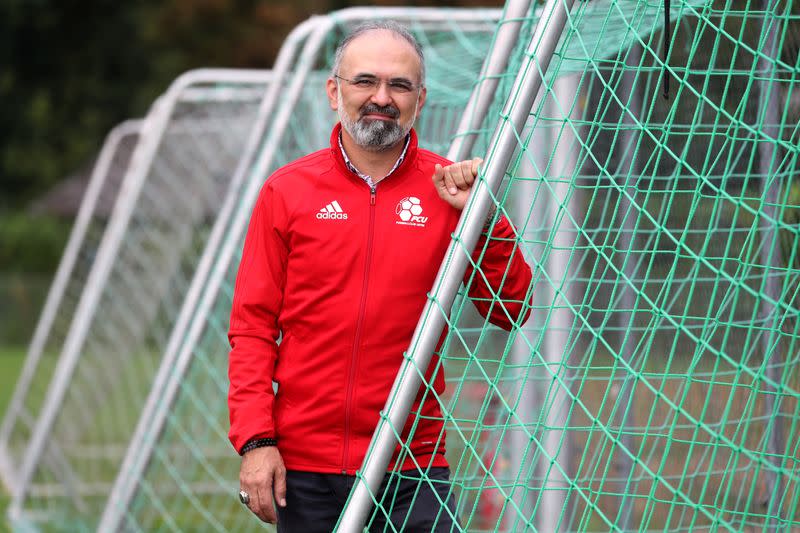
(244, 497)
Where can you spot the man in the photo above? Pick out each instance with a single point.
(343, 246)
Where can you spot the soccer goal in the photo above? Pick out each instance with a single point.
(188, 147)
(62, 298)
(650, 165)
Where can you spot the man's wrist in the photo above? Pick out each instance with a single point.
(252, 444)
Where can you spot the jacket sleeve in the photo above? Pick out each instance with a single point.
(500, 287)
(254, 330)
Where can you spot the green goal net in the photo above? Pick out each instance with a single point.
(654, 386)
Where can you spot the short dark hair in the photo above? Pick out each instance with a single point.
(388, 25)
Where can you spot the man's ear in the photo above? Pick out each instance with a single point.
(332, 89)
(423, 94)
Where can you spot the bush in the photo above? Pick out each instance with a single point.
(31, 245)
(23, 296)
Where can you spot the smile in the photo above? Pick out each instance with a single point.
(377, 116)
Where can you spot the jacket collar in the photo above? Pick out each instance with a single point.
(408, 159)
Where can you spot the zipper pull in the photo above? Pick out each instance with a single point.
(372, 197)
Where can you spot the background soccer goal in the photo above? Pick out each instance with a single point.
(62, 298)
(188, 146)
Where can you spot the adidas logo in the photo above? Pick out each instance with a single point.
(332, 211)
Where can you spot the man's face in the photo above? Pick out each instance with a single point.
(377, 94)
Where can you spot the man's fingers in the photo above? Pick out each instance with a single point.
(443, 176)
(454, 181)
(461, 175)
(467, 175)
(267, 510)
(438, 176)
(261, 500)
(438, 172)
(449, 182)
(476, 162)
(441, 180)
(466, 172)
(279, 487)
(255, 500)
(262, 476)
(454, 178)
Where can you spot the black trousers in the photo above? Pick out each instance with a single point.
(315, 501)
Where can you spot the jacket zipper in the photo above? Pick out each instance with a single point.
(359, 323)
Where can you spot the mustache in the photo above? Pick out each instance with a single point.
(388, 110)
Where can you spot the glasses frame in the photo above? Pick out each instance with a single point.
(380, 81)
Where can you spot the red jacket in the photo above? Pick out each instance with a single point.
(343, 274)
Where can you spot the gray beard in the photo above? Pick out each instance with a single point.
(374, 135)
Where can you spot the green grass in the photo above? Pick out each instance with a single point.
(11, 358)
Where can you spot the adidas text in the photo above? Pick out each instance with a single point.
(333, 216)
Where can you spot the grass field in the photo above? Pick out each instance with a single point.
(11, 358)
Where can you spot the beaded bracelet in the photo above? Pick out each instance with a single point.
(252, 444)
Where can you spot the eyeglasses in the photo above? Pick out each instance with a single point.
(367, 83)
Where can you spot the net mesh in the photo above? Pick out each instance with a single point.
(654, 386)
(206, 126)
(62, 300)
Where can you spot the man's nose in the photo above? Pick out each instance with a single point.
(382, 96)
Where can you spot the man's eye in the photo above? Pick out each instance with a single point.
(401, 86)
(364, 83)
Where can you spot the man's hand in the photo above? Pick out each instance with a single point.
(263, 477)
(454, 182)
